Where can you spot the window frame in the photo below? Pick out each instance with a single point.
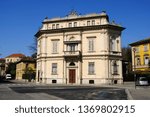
(91, 46)
(145, 60)
(55, 49)
(93, 22)
(91, 68)
(54, 69)
(88, 23)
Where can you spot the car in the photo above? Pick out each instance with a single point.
(142, 81)
(8, 76)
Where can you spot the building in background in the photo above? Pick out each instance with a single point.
(79, 49)
(141, 55)
(2, 67)
(26, 66)
(14, 58)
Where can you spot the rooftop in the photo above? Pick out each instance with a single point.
(74, 15)
(16, 55)
(147, 40)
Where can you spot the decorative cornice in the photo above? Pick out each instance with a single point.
(83, 28)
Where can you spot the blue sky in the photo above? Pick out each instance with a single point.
(21, 19)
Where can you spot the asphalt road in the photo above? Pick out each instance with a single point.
(10, 90)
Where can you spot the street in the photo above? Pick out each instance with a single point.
(20, 90)
(14, 90)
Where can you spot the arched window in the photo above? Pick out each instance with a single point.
(72, 64)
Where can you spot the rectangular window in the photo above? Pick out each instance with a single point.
(137, 49)
(91, 66)
(93, 22)
(57, 26)
(115, 68)
(113, 45)
(53, 26)
(88, 23)
(72, 47)
(70, 24)
(54, 47)
(91, 45)
(145, 48)
(54, 68)
(75, 24)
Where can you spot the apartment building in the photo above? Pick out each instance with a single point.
(141, 55)
(79, 49)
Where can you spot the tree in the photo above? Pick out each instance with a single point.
(33, 48)
(11, 69)
(126, 54)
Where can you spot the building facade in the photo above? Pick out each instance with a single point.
(79, 49)
(26, 65)
(2, 67)
(141, 55)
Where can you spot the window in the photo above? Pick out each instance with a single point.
(54, 68)
(146, 60)
(93, 22)
(72, 47)
(57, 26)
(53, 26)
(91, 45)
(75, 24)
(91, 68)
(54, 47)
(72, 64)
(39, 47)
(115, 68)
(137, 49)
(70, 24)
(113, 45)
(88, 23)
(138, 61)
(145, 48)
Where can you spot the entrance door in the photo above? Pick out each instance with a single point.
(72, 75)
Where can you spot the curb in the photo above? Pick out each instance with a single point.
(129, 96)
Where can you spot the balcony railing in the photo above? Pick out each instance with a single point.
(72, 53)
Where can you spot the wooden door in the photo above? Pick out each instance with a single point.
(72, 75)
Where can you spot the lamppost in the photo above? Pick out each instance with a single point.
(134, 50)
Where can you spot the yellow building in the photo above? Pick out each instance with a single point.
(141, 55)
(25, 65)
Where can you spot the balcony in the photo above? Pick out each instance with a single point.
(72, 53)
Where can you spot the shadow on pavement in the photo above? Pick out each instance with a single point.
(75, 93)
(4, 81)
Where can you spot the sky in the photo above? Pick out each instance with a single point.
(21, 19)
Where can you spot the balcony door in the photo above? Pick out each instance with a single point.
(72, 76)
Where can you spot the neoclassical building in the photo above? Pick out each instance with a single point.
(79, 49)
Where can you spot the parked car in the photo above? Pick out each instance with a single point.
(8, 76)
(142, 81)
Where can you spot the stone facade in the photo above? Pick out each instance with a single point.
(79, 49)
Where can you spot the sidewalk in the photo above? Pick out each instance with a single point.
(135, 93)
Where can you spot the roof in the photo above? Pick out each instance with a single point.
(16, 55)
(140, 42)
(2, 60)
(73, 15)
(27, 60)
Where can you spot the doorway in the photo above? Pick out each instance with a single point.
(72, 76)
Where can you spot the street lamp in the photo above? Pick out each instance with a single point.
(134, 50)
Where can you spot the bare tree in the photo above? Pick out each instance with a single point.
(33, 48)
